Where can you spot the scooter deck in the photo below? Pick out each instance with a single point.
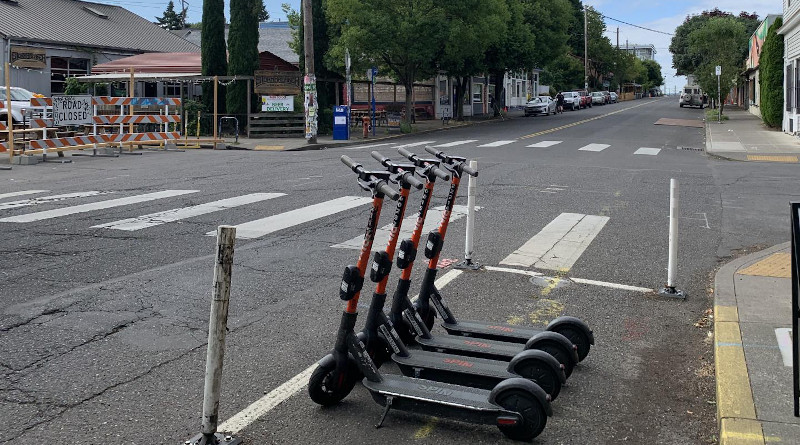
(492, 331)
(432, 392)
(440, 363)
(473, 347)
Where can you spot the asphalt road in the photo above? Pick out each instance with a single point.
(102, 330)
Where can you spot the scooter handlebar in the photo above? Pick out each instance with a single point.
(468, 170)
(441, 174)
(388, 191)
(439, 154)
(380, 158)
(406, 153)
(413, 181)
(355, 166)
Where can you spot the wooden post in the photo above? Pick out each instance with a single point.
(249, 106)
(216, 99)
(10, 121)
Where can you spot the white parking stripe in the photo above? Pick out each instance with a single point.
(594, 147)
(155, 219)
(356, 147)
(415, 144)
(382, 234)
(456, 143)
(784, 337)
(497, 143)
(647, 151)
(265, 226)
(48, 214)
(22, 193)
(544, 144)
(47, 199)
(559, 244)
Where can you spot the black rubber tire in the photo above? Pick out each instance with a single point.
(533, 414)
(578, 338)
(542, 374)
(323, 392)
(558, 352)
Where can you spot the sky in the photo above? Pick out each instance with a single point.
(661, 15)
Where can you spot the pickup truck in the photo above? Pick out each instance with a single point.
(21, 109)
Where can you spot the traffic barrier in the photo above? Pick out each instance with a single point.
(41, 123)
(116, 101)
(137, 119)
(3, 147)
(143, 137)
(48, 144)
(41, 102)
(3, 126)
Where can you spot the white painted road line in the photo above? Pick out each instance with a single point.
(544, 144)
(559, 244)
(382, 234)
(48, 214)
(291, 387)
(594, 147)
(415, 144)
(456, 143)
(575, 280)
(647, 151)
(155, 219)
(22, 193)
(47, 199)
(784, 336)
(265, 226)
(529, 273)
(356, 147)
(497, 143)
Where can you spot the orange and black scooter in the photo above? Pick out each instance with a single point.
(417, 319)
(518, 407)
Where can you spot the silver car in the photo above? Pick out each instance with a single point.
(540, 105)
(598, 98)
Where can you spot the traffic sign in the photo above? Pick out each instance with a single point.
(718, 70)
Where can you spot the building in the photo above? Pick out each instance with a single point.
(643, 52)
(48, 41)
(791, 59)
(749, 94)
(272, 36)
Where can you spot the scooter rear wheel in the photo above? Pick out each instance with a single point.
(542, 374)
(326, 387)
(578, 338)
(558, 352)
(533, 415)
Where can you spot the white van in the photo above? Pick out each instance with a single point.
(691, 96)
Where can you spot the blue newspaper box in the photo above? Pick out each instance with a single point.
(341, 126)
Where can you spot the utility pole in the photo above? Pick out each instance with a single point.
(585, 49)
(617, 38)
(310, 81)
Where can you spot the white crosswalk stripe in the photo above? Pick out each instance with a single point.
(382, 234)
(544, 144)
(22, 193)
(357, 147)
(48, 199)
(647, 151)
(415, 144)
(594, 147)
(497, 143)
(559, 244)
(265, 226)
(83, 208)
(456, 143)
(155, 219)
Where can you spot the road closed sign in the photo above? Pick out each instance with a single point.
(72, 110)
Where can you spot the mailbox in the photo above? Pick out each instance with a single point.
(341, 124)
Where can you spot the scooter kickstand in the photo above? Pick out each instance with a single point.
(386, 409)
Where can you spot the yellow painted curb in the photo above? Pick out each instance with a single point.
(268, 148)
(740, 432)
(778, 265)
(768, 158)
(726, 313)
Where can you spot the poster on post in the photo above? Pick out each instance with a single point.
(72, 110)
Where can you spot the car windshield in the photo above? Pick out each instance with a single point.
(18, 94)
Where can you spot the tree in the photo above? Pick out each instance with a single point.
(574, 27)
(263, 14)
(770, 66)
(243, 51)
(653, 75)
(171, 20)
(601, 53)
(563, 73)
(212, 50)
(721, 42)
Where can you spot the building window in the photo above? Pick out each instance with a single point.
(789, 87)
(172, 89)
(63, 67)
(477, 93)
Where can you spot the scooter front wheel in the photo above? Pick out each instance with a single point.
(328, 387)
(559, 352)
(543, 374)
(533, 414)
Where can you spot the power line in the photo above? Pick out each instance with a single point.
(635, 26)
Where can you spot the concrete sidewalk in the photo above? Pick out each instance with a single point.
(745, 138)
(381, 134)
(752, 349)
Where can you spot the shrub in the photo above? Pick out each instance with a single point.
(771, 76)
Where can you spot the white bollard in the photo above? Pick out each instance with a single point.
(672, 262)
(470, 241)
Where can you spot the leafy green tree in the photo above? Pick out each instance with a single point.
(770, 66)
(564, 73)
(721, 42)
(601, 53)
(653, 75)
(574, 27)
(73, 86)
(683, 60)
(212, 50)
(171, 20)
(513, 51)
(243, 51)
(263, 14)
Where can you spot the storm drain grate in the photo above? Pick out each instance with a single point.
(680, 147)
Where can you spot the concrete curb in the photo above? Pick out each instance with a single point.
(736, 410)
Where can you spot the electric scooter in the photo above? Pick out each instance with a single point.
(518, 407)
(418, 318)
(534, 365)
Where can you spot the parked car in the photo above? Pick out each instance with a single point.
(691, 97)
(598, 98)
(20, 105)
(614, 97)
(607, 95)
(586, 98)
(572, 100)
(540, 105)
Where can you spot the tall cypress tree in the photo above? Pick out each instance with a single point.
(243, 38)
(770, 66)
(212, 50)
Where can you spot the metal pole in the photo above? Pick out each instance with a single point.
(719, 102)
(672, 262)
(585, 49)
(10, 119)
(216, 104)
(469, 248)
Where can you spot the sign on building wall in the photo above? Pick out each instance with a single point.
(277, 103)
(26, 57)
(72, 110)
(277, 83)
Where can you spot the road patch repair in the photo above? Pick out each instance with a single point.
(680, 122)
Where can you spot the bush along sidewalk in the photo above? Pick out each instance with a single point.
(713, 115)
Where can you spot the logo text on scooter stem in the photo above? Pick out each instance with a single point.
(369, 235)
(398, 214)
(390, 338)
